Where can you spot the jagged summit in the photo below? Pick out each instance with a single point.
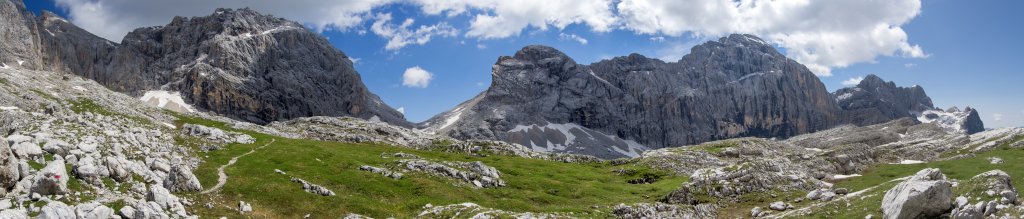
(238, 63)
(737, 86)
(874, 100)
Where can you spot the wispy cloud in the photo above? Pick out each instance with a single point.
(852, 81)
(573, 37)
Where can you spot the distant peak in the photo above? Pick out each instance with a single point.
(538, 52)
(744, 39)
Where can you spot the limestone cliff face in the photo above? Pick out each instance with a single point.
(736, 86)
(875, 101)
(238, 63)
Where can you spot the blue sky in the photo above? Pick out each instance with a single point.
(964, 53)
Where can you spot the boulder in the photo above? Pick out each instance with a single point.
(244, 207)
(181, 179)
(56, 210)
(14, 214)
(52, 179)
(927, 194)
(127, 212)
(313, 188)
(93, 210)
(9, 171)
(778, 206)
(148, 210)
(27, 150)
(997, 184)
(87, 170)
(161, 196)
(118, 168)
(57, 147)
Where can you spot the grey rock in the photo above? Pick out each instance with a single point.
(148, 210)
(477, 173)
(181, 179)
(661, 210)
(778, 206)
(118, 168)
(382, 171)
(56, 210)
(52, 179)
(27, 150)
(9, 171)
(18, 30)
(57, 147)
(93, 210)
(127, 212)
(927, 194)
(755, 212)
(313, 188)
(244, 207)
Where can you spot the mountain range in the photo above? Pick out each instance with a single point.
(244, 115)
(259, 68)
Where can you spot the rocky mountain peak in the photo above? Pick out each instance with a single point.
(875, 100)
(555, 64)
(235, 62)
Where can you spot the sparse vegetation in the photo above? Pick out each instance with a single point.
(533, 185)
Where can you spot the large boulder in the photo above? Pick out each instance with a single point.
(927, 194)
(181, 179)
(9, 173)
(56, 210)
(93, 210)
(52, 179)
(118, 168)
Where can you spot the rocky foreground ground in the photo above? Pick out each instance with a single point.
(73, 149)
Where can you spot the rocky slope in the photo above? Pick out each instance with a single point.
(238, 63)
(738, 86)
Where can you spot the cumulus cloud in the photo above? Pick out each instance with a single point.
(416, 77)
(821, 34)
(852, 81)
(112, 19)
(401, 35)
(401, 110)
(501, 19)
(997, 117)
(573, 37)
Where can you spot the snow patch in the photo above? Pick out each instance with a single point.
(454, 117)
(844, 96)
(910, 162)
(4, 66)
(9, 108)
(167, 100)
(21, 63)
(952, 122)
(840, 176)
(80, 88)
(814, 149)
(633, 148)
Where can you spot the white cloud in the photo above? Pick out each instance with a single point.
(658, 39)
(401, 110)
(997, 117)
(674, 51)
(852, 81)
(416, 77)
(820, 34)
(401, 35)
(497, 19)
(481, 46)
(354, 60)
(573, 37)
(112, 19)
(480, 84)
(909, 65)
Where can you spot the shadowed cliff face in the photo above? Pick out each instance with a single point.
(738, 86)
(875, 101)
(238, 63)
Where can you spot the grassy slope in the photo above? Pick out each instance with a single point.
(533, 185)
(960, 169)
